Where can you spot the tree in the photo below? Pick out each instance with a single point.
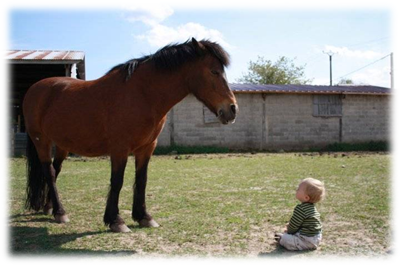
(282, 72)
(346, 81)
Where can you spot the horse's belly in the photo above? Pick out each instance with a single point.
(80, 130)
(82, 147)
(76, 134)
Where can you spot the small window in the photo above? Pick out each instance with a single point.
(209, 117)
(327, 106)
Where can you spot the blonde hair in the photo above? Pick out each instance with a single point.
(315, 189)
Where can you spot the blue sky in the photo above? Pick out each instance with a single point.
(111, 36)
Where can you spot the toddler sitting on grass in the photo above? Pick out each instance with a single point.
(304, 231)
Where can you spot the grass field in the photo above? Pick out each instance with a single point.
(212, 205)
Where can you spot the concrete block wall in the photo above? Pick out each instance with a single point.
(164, 139)
(366, 118)
(291, 125)
(279, 121)
(189, 128)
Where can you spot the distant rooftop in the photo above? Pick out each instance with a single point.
(39, 56)
(310, 89)
(35, 57)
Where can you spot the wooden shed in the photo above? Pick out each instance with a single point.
(26, 68)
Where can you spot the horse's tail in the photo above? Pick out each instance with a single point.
(36, 189)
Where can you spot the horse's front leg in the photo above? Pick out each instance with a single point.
(139, 213)
(111, 216)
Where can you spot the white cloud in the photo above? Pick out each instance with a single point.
(160, 35)
(344, 51)
(373, 76)
(150, 15)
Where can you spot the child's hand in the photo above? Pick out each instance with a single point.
(286, 227)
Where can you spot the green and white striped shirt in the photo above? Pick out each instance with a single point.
(305, 219)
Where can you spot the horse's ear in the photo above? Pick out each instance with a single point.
(195, 43)
(199, 47)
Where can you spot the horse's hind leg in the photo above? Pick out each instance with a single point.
(43, 147)
(59, 157)
(58, 210)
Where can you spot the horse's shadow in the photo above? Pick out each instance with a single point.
(29, 240)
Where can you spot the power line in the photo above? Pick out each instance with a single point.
(363, 67)
(368, 42)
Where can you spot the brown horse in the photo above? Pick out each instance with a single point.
(116, 115)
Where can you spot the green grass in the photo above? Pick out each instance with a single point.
(219, 205)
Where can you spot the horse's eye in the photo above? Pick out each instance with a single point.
(214, 72)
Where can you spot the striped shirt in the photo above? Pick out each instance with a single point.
(305, 219)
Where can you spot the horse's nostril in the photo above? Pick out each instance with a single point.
(233, 108)
(220, 112)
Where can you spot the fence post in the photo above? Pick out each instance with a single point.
(12, 142)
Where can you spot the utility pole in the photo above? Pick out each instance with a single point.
(330, 54)
(391, 72)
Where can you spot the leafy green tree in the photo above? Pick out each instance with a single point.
(346, 81)
(282, 72)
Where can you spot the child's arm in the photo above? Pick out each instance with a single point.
(296, 220)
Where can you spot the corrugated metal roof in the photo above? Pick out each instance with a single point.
(309, 89)
(46, 56)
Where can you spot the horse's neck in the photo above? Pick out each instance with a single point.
(165, 91)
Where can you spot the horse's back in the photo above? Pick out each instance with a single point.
(90, 118)
(41, 93)
(62, 110)
(39, 97)
(44, 89)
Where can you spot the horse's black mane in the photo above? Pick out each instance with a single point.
(173, 56)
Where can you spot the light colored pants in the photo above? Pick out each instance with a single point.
(300, 242)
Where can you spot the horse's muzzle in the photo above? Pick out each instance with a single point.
(228, 115)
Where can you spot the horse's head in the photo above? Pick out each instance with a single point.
(208, 81)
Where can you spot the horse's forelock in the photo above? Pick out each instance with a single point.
(217, 51)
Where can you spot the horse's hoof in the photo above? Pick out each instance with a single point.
(119, 228)
(61, 218)
(148, 223)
